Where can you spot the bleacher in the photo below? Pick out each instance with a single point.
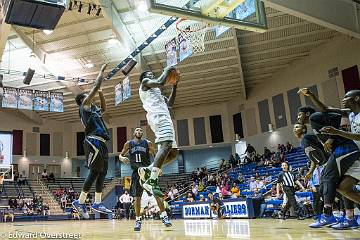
(296, 159)
(13, 190)
(67, 183)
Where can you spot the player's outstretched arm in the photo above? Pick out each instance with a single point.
(96, 86)
(153, 83)
(341, 133)
(102, 101)
(170, 102)
(124, 151)
(320, 105)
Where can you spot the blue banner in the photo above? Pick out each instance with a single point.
(171, 55)
(126, 89)
(41, 101)
(118, 94)
(10, 98)
(25, 99)
(56, 102)
(185, 47)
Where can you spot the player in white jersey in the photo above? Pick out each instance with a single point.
(158, 116)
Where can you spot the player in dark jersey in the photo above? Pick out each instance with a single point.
(139, 152)
(96, 152)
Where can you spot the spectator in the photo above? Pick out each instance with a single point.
(45, 210)
(224, 191)
(232, 161)
(16, 176)
(202, 198)
(240, 179)
(250, 152)
(222, 164)
(9, 214)
(195, 189)
(268, 178)
(289, 147)
(201, 186)
(22, 180)
(190, 197)
(252, 184)
(44, 175)
(281, 148)
(237, 158)
(259, 185)
(51, 177)
(217, 206)
(267, 154)
(75, 214)
(235, 191)
(257, 175)
(126, 200)
(218, 189)
(63, 201)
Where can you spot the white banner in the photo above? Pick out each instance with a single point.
(5, 149)
(197, 211)
(236, 209)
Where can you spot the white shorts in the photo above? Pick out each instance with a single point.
(354, 170)
(163, 128)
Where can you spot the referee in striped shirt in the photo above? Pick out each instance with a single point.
(288, 181)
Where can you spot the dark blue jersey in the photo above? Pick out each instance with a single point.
(139, 155)
(93, 122)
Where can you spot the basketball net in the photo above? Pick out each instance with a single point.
(193, 32)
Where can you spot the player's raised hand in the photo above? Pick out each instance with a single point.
(304, 91)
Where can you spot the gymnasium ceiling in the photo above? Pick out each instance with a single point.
(217, 75)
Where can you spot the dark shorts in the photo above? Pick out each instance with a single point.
(135, 188)
(96, 154)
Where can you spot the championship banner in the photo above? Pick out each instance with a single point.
(185, 47)
(5, 148)
(118, 94)
(126, 89)
(10, 98)
(56, 102)
(171, 56)
(245, 9)
(41, 101)
(25, 99)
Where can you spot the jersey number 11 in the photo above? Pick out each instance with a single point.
(138, 158)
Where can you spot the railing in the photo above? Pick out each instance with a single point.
(44, 190)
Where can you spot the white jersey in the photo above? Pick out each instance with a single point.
(355, 124)
(153, 101)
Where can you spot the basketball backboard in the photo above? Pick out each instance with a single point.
(6, 173)
(241, 14)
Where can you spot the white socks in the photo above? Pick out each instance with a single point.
(98, 197)
(82, 197)
(163, 214)
(155, 172)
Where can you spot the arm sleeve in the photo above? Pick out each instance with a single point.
(319, 120)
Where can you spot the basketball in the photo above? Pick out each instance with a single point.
(173, 77)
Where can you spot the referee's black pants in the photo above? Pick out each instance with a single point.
(291, 201)
(127, 209)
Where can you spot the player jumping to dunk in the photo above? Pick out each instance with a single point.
(158, 116)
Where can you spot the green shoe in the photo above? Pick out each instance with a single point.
(151, 185)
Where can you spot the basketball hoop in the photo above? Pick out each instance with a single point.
(194, 32)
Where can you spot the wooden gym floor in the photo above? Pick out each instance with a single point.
(264, 229)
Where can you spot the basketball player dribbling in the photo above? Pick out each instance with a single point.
(158, 116)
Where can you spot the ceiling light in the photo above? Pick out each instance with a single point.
(98, 12)
(48, 32)
(113, 40)
(142, 6)
(89, 65)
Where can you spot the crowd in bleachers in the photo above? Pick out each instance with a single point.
(28, 206)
